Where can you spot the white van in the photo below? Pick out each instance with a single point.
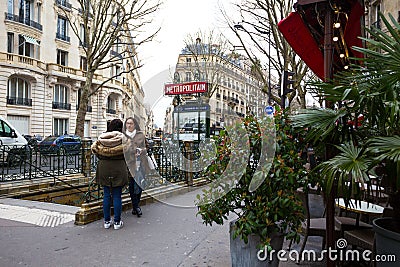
(10, 141)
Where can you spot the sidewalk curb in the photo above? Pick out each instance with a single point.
(90, 212)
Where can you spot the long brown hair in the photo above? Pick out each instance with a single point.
(137, 127)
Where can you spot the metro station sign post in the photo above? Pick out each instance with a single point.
(191, 111)
(186, 88)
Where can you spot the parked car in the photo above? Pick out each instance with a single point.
(13, 146)
(32, 140)
(64, 144)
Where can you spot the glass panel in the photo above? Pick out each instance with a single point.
(26, 90)
(55, 130)
(1, 129)
(62, 94)
(27, 10)
(39, 12)
(12, 87)
(21, 10)
(29, 50)
(65, 94)
(10, 42)
(20, 89)
(56, 96)
(6, 129)
(10, 6)
(65, 129)
(21, 45)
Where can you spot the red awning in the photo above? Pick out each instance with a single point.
(353, 29)
(309, 47)
(300, 39)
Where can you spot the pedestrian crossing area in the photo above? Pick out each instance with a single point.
(34, 216)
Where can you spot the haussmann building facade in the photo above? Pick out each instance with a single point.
(42, 70)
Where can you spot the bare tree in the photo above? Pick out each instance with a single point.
(103, 26)
(258, 34)
(209, 52)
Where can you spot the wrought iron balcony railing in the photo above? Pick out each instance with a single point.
(63, 37)
(111, 111)
(83, 44)
(59, 105)
(23, 20)
(64, 3)
(88, 108)
(11, 100)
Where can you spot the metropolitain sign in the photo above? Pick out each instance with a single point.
(185, 88)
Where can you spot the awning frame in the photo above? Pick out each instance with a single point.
(30, 40)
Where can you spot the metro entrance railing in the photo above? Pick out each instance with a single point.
(28, 163)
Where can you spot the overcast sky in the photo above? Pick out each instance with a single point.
(177, 19)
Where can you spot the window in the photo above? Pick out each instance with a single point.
(18, 92)
(82, 36)
(177, 77)
(60, 94)
(111, 102)
(117, 45)
(5, 130)
(10, 6)
(62, 57)
(60, 126)
(188, 61)
(39, 12)
(62, 32)
(188, 77)
(83, 65)
(86, 128)
(64, 3)
(111, 105)
(118, 71)
(24, 48)
(115, 71)
(10, 42)
(25, 8)
(197, 75)
(376, 8)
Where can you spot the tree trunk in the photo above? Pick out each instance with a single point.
(83, 103)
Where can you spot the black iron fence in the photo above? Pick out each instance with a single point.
(171, 163)
(33, 162)
(28, 162)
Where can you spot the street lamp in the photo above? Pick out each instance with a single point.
(241, 28)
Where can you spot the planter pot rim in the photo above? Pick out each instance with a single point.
(379, 227)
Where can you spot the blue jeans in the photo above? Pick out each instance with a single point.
(117, 203)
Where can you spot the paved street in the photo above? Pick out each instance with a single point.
(164, 236)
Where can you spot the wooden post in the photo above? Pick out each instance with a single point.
(328, 74)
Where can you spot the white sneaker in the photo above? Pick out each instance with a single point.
(118, 226)
(107, 225)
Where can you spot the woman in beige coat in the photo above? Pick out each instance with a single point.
(136, 158)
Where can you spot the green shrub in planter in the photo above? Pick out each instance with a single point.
(273, 207)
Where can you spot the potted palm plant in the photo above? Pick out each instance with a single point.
(364, 130)
(271, 212)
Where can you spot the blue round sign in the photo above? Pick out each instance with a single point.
(269, 110)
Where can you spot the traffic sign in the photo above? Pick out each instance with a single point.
(269, 110)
